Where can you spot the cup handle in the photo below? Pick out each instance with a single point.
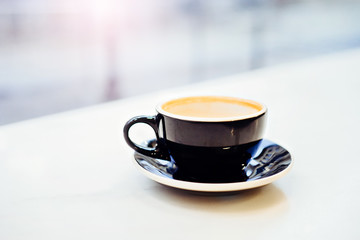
(152, 121)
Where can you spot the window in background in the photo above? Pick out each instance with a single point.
(60, 55)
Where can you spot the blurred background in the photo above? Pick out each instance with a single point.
(61, 55)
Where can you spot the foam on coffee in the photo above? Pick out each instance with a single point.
(212, 107)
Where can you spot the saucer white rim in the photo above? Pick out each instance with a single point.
(213, 187)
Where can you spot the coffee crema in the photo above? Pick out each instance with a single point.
(212, 107)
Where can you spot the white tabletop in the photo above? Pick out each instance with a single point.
(71, 175)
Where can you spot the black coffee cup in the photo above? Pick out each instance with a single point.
(207, 137)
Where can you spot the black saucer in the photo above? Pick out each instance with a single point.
(271, 161)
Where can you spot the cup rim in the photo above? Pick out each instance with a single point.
(263, 110)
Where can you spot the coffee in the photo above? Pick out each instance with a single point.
(211, 107)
